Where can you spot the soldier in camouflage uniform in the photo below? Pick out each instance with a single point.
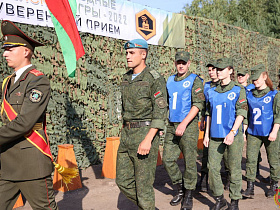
(263, 125)
(144, 110)
(227, 108)
(203, 183)
(186, 98)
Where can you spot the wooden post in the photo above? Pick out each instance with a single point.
(66, 157)
(159, 160)
(200, 138)
(110, 157)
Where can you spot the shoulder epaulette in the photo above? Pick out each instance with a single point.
(155, 74)
(36, 72)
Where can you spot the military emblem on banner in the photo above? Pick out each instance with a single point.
(145, 24)
(277, 197)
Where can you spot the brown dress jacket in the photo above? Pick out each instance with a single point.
(20, 160)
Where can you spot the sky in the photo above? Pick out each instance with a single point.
(167, 5)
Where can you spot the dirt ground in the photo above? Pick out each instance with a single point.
(100, 193)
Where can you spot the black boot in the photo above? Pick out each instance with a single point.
(179, 196)
(233, 205)
(227, 182)
(204, 182)
(187, 202)
(273, 187)
(258, 170)
(202, 185)
(266, 180)
(249, 192)
(221, 203)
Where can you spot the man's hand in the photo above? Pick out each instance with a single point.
(144, 147)
(229, 138)
(272, 136)
(180, 129)
(244, 137)
(206, 141)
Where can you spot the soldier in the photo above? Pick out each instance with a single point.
(186, 98)
(263, 125)
(242, 78)
(24, 167)
(144, 110)
(203, 183)
(227, 108)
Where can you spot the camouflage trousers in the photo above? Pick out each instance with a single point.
(136, 173)
(234, 154)
(254, 144)
(173, 146)
(204, 160)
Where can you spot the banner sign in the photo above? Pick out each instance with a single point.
(119, 19)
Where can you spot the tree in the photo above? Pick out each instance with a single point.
(262, 16)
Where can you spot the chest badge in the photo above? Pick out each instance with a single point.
(186, 84)
(18, 94)
(231, 96)
(267, 99)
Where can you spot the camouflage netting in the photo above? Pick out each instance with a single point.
(84, 110)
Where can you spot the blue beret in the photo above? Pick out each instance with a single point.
(136, 43)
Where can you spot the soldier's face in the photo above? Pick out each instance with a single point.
(241, 78)
(260, 83)
(182, 67)
(212, 73)
(135, 57)
(15, 56)
(224, 73)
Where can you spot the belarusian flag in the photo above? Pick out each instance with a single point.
(63, 13)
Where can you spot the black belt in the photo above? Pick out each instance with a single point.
(137, 124)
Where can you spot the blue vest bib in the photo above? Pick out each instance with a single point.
(180, 97)
(223, 111)
(249, 88)
(260, 114)
(206, 88)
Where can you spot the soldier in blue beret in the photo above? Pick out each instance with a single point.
(144, 109)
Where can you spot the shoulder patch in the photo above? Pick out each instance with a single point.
(35, 96)
(157, 94)
(155, 74)
(161, 102)
(198, 90)
(36, 72)
(242, 101)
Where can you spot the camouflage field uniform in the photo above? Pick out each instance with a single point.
(143, 100)
(173, 145)
(254, 144)
(205, 149)
(217, 148)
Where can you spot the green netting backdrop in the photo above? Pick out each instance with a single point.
(84, 110)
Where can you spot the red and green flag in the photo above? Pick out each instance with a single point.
(62, 14)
